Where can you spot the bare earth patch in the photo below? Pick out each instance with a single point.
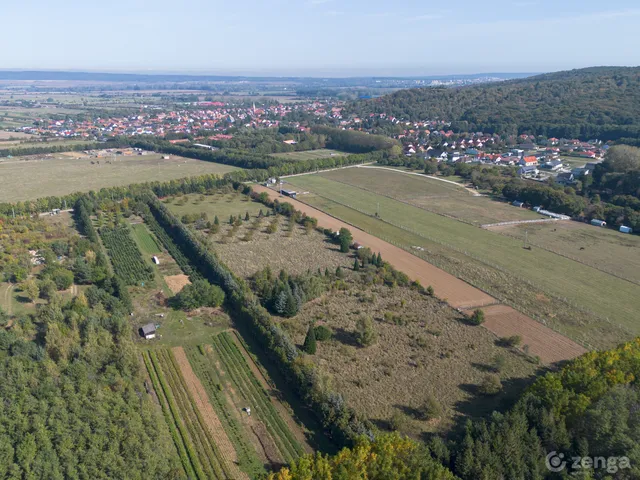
(176, 282)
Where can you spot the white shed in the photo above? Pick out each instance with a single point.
(624, 229)
(156, 260)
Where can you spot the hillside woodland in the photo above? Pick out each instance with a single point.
(588, 103)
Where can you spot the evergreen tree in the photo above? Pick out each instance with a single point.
(260, 214)
(246, 217)
(281, 302)
(326, 272)
(291, 305)
(339, 272)
(310, 345)
(216, 221)
(356, 265)
(379, 260)
(231, 219)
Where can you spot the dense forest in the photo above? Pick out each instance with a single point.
(74, 403)
(588, 103)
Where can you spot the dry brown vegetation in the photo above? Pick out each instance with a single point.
(290, 248)
(423, 350)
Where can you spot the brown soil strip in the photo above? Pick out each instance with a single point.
(201, 400)
(549, 345)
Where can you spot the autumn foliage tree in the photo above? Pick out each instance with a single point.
(389, 456)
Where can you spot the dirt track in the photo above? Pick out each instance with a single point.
(199, 395)
(458, 293)
(549, 345)
(504, 321)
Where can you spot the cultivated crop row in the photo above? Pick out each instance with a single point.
(172, 248)
(258, 399)
(206, 372)
(125, 256)
(204, 457)
(180, 437)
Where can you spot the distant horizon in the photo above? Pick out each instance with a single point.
(275, 74)
(348, 73)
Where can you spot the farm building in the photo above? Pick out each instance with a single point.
(156, 260)
(624, 229)
(598, 223)
(148, 331)
(516, 203)
(289, 193)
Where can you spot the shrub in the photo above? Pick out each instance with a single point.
(490, 385)
(477, 318)
(431, 408)
(430, 291)
(512, 341)
(499, 361)
(345, 239)
(366, 334)
(323, 333)
(398, 421)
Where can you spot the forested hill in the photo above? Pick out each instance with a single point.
(601, 102)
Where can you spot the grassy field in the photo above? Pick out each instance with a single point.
(571, 297)
(433, 195)
(604, 248)
(146, 242)
(422, 345)
(310, 155)
(221, 204)
(31, 179)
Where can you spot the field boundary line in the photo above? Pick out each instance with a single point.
(325, 170)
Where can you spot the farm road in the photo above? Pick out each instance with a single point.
(549, 345)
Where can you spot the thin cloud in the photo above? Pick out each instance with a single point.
(575, 19)
(429, 16)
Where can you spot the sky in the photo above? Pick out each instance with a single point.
(319, 37)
